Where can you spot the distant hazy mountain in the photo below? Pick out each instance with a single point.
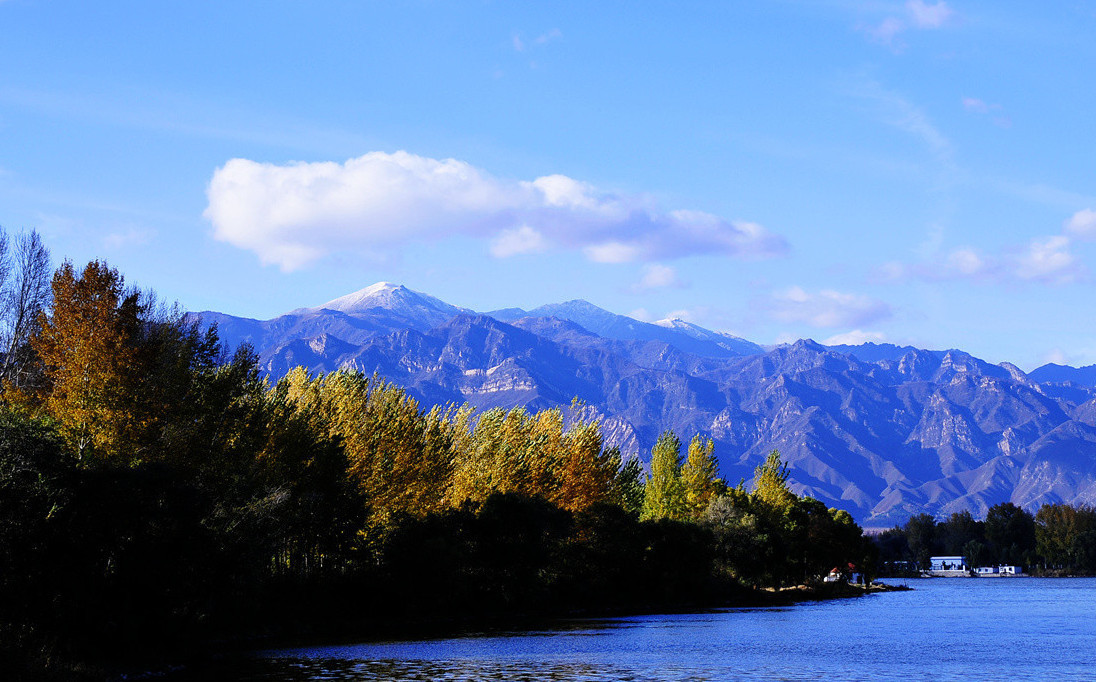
(881, 430)
(1058, 374)
(678, 333)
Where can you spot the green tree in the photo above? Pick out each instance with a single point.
(664, 493)
(921, 536)
(627, 486)
(957, 530)
(1010, 533)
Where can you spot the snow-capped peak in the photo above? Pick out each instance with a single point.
(674, 323)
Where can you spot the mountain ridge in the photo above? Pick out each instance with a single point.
(883, 431)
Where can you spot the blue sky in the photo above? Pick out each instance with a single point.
(915, 172)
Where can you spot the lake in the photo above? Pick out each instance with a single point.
(946, 629)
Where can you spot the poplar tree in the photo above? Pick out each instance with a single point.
(770, 484)
(664, 494)
(699, 476)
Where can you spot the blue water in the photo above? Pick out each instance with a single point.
(945, 629)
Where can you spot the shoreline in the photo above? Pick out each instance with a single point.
(433, 628)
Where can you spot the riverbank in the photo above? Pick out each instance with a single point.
(896, 637)
(491, 625)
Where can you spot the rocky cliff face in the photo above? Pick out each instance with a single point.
(882, 431)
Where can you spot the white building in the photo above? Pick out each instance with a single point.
(948, 563)
(1003, 570)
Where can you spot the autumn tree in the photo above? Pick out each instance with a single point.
(770, 483)
(699, 476)
(1066, 536)
(86, 346)
(587, 470)
(664, 494)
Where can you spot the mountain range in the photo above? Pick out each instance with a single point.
(880, 430)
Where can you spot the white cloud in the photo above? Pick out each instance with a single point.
(126, 237)
(928, 16)
(1057, 356)
(966, 262)
(611, 252)
(918, 15)
(856, 337)
(1046, 260)
(520, 45)
(517, 241)
(657, 276)
(976, 105)
(898, 112)
(827, 308)
(1082, 224)
(295, 214)
(887, 31)
(642, 315)
(545, 38)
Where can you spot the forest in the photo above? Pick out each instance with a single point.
(160, 499)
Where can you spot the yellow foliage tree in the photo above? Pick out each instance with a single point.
(399, 457)
(586, 469)
(770, 484)
(87, 345)
(699, 476)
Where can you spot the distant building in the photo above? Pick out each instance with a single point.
(948, 567)
(948, 563)
(1004, 570)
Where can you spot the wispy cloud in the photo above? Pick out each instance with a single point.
(1043, 260)
(520, 45)
(127, 237)
(856, 337)
(294, 214)
(179, 114)
(924, 15)
(657, 276)
(978, 106)
(550, 36)
(1082, 224)
(898, 112)
(1048, 259)
(516, 241)
(916, 15)
(826, 308)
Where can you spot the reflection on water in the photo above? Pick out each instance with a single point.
(295, 669)
(944, 630)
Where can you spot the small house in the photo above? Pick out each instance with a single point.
(948, 567)
(948, 563)
(1002, 571)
